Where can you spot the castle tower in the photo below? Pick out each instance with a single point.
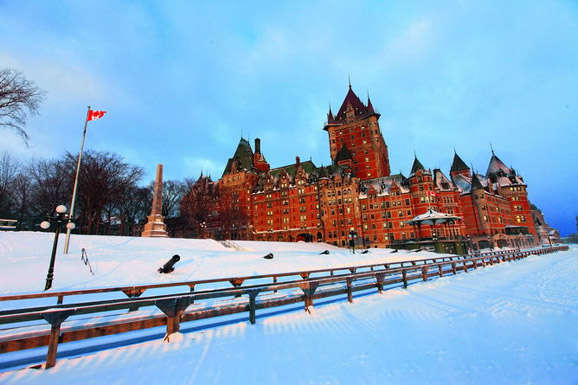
(155, 226)
(459, 167)
(514, 189)
(356, 128)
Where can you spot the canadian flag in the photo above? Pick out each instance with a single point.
(93, 115)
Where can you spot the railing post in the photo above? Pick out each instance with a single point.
(252, 305)
(349, 291)
(475, 263)
(275, 281)
(173, 309)
(379, 278)
(424, 271)
(454, 268)
(308, 289)
(465, 265)
(55, 319)
(404, 276)
(60, 300)
(440, 272)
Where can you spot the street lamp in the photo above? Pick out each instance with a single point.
(203, 227)
(352, 236)
(58, 219)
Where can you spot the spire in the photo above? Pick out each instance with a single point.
(492, 148)
(330, 117)
(416, 165)
(369, 105)
(458, 164)
(349, 80)
(353, 100)
(476, 184)
(497, 165)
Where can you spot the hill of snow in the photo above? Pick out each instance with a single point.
(133, 260)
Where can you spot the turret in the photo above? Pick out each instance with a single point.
(459, 167)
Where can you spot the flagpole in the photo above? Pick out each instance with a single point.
(68, 230)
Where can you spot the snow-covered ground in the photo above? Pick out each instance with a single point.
(133, 260)
(512, 323)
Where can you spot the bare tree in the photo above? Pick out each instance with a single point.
(51, 181)
(19, 98)
(199, 204)
(104, 180)
(173, 192)
(8, 171)
(133, 210)
(21, 188)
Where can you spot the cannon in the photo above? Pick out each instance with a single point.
(325, 252)
(169, 267)
(365, 252)
(269, 256)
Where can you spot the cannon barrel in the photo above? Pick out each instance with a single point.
(169, 267)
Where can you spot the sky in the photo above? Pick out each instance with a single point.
(183, 81)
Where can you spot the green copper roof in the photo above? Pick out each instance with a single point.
(243, 156)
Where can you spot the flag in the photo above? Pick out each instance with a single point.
(93, 115)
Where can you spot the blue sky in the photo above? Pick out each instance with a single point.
(183, 80)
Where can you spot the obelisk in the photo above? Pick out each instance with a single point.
(155, 226)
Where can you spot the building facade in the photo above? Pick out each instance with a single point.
(357, 197)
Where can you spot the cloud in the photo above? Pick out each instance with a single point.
(195, 166)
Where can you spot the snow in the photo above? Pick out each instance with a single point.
(512, 323)
(508, 323)
(129, 261)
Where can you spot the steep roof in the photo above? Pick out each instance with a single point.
(360, 110)
(308, 167)
(343, 154)
(243, 156)
(476, 184)
(496, 165)
(458, 164)
(369, 105)
(416, 166)
(463, 183)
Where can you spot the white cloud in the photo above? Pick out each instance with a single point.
(63, 82)
(195, 165)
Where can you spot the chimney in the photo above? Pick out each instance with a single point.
(297, 161)
(257, 146)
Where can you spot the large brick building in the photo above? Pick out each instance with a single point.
(357, 195)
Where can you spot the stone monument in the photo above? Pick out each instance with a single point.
(155, 226)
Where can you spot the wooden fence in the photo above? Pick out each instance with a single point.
(256, 296)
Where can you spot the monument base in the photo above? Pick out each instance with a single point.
(155, 227)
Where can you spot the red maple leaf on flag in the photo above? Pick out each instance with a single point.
(93, 115)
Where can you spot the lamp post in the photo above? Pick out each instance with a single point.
(203, 228)
(58, 219)
(352, 236)
(470, 244)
